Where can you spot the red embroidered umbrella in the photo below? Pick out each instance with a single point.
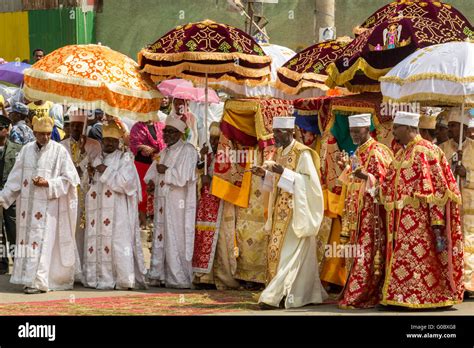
(307, 69)
(391, 36)
(411, 8)
(206, 51)
(196, 50)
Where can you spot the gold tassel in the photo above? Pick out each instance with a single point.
(377, 263)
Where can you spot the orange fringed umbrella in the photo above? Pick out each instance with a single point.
(93, 77)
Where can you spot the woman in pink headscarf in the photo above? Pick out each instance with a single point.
(146, 141)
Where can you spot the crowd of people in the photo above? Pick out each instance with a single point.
(78, 188)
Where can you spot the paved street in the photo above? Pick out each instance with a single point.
(160, 301)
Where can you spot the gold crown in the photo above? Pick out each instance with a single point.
(43, 124)
(427, 122)
(428, 117)
(112, 130)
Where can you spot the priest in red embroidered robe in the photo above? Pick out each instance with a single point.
(211, 255)
(295, 213)
(425, 241)
(43, 183)
(363, 229)
(113, 257)
(174, 178)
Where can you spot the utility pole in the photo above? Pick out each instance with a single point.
(324, 16)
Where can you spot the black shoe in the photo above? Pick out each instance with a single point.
(265, 307)
(3, 271)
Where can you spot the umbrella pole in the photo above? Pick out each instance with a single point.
(461, 135)
(205, 121)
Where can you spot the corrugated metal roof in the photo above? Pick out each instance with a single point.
(11, 6)
(49, 4)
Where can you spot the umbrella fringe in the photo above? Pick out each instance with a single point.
(202, 80)
(337, 78)
(199, 56)
(296, 76)
(303, 84)
(34, 75)
(435, 99)
(97, 104)
(427, 76)
(263, 73)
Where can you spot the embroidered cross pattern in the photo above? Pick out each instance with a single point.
(34, 245)
(162, 183)
(106, 249)
(208, 36)
(160, 237)
(107, 222)
(25, 183)
(23, 214)
(161, 210)
(94, 195)
(91, 250)
(38, 215)
(92, 223)
(108, 193)
(22, 242)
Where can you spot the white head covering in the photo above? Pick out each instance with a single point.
(454, 115)
(407, 118)
(361, 120)
(287, 122)
(56, 113)
(176, 123)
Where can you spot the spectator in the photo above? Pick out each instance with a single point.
(38, 54)
(21, 133)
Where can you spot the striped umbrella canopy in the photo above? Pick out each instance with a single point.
(93, 77)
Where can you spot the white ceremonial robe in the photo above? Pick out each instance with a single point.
(113, 255)
(45, 217)
(297, 278)
(92, 150)
(175, 216)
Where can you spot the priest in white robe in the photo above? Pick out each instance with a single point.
(174, 177)
(83, 151)
(43, 183)
(295, 212)
(113, 256)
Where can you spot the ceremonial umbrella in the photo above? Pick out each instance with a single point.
(93, 77)
(389, 39)
(206, 51)
(13, 72)
(411, 8)
(279, 55)
(167, 87)
(183, 89)
(439, 74)
(307, 69)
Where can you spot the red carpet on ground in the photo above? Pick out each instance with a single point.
(186, 303)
